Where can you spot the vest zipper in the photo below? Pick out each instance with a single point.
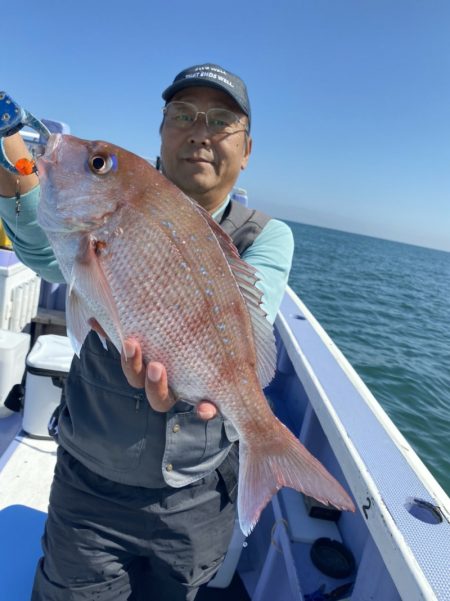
(138, 398)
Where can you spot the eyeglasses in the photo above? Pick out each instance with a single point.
(183, 115)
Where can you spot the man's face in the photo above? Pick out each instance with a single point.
(204, 165)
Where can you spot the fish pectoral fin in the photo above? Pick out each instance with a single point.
(90, 277)
(281, 460)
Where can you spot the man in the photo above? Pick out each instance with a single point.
(142, 503)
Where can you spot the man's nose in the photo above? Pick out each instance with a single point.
(199, 130)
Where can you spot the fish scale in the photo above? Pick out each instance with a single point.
(147, 262)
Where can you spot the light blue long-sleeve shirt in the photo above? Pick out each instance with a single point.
(270, 254)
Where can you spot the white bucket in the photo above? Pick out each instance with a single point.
(47, 366)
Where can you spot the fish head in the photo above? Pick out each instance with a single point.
(84, 182)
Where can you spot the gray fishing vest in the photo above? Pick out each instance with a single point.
(111, 428)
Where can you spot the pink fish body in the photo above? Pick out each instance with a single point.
(148, 263)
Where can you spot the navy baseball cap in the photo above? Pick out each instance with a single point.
(212, 76)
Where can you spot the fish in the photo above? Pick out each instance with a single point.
(151, 264)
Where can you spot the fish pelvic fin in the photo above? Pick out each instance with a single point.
(281, 460)
(77, 316)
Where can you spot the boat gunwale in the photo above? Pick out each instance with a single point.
(389, 538)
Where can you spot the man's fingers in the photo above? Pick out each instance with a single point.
(206, 410)
(157, 388)
(154, 380)
(132, 364)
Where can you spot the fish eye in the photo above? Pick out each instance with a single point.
(101, 164)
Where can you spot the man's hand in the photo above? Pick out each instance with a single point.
(153, 378)
(15, 148)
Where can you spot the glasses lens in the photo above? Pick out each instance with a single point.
(183, 114)
(180, 114)
(222, 120)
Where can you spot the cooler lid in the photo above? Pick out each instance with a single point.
(10, 340)
(51, 352)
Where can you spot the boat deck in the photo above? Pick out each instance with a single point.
(26, 471)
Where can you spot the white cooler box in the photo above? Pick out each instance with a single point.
(13, 351)
(47, 367)
(19, 292)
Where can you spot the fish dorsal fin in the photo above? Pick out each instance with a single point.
(88, 275)
(246, 279)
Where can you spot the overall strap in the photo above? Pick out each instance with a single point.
(242, 224)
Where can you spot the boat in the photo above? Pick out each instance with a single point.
(396, 546)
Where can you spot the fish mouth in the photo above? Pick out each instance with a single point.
(51, 150)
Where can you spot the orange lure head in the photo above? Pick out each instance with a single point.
(25, 166)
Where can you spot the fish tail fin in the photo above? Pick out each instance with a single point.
(281, 460)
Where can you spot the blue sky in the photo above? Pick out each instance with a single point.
(350, 98)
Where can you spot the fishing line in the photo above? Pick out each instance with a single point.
(24, 166)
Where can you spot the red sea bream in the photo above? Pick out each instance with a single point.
(148, 263)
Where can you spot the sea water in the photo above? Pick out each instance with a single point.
(387, 306)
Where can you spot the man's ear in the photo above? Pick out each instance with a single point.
(247, 151)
